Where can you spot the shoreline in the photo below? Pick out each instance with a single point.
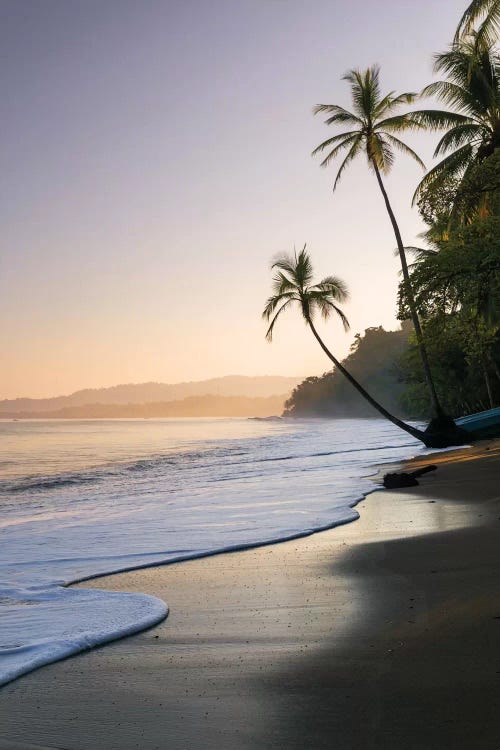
(276, 636)
(331, 507)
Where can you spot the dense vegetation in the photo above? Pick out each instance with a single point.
(450, 363)
(373, 360)
(457, 290)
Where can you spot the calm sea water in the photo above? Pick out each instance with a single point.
(84, 498)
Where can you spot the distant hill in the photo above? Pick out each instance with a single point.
(147, 393)
(193, 406)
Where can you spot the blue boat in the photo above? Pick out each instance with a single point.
(484, 424)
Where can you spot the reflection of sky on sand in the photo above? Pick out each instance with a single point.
(434, 515)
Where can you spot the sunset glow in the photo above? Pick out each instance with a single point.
(156, 157)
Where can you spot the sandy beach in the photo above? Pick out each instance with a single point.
(384, 633)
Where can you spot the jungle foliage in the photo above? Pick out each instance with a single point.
(449, 364)
(374, 361)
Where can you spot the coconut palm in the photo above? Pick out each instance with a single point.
(293, 285)
(373, 126)
(472, 91)
(487, 12)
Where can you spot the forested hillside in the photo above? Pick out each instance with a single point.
(373, 360)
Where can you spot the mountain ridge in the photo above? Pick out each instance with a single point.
(243, 386)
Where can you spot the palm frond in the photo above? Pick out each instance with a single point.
(342, 316)
(472, 13)
(353, 152)
(458, 136)
(303, 268)
(282, 284)
(335, 151)
(269, 332)
(399, 123)
(275, 300)
(403, 148)
(452, 165)
(353, 78)
(326, 306)
(371, 93)
(456, 96)
(486, 10)
(385, 104)
(331, 141)
(439, 119)
(487, 34)
(337, 114)
(406, 98)
(419, 253)
(390, 102)
(335, 286)
(284, 263)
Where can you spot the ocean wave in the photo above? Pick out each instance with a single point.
(157, 462)
(280, 482)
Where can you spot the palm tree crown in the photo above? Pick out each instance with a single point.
(292, 283)
(472, 91)
(373, 124)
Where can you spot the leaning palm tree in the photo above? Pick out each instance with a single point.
(487, 13)
(472, 124)
(373, 127)
(292, 285)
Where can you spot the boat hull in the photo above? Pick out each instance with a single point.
(484, 424)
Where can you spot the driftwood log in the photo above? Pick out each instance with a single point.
(406, 478)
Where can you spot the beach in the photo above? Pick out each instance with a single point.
(381, 633)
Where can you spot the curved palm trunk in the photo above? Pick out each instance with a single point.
(398, 422)
(438, 410)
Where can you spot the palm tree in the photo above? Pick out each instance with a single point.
(292, 285)
(373, 126)
(485, 11)
(472, 90)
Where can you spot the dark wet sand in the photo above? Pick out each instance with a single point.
(381, 634)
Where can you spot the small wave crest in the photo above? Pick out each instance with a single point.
(45, 483)
(158, 463)
(154, 463)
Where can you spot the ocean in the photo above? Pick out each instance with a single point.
(84, 498)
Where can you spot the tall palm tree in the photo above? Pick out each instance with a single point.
(487, 12)
(292, 285)
(472, 91)
(373, 125)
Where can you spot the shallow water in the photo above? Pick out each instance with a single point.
(84, 498)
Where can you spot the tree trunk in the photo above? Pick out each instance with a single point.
(495, 368)
(416, 433)
(438, 411)
(488, 385)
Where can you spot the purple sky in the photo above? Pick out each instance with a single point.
(156, 156)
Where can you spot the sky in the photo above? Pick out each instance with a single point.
(156, 156)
